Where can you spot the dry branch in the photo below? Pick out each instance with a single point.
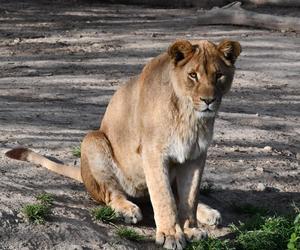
(233, 14)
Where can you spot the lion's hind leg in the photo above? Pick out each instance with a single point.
(100, 179)
(207, 215)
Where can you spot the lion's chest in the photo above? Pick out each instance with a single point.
(188, 147)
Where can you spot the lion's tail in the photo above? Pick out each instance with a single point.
(24, 154)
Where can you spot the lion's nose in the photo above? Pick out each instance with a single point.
(208, 100)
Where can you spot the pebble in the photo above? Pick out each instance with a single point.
(259, 169)
(69, 247)
(75, 247)
(267, 149)
(19, 215)
(17, 40)
(260, 187)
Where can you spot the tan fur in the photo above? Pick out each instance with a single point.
(25, 154)
(155, 132)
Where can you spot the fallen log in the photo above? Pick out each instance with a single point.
(233, 14)
(283, 3)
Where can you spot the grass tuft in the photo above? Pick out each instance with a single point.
(270, 233)
(45, 198)
(105, 214)
(129, 234)
(294, 240)
(39, 212)
(254, 223)
(259, 232)
(36, 213)
(76, 151)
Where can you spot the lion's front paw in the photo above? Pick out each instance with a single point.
(194, 233)
(172, 238)
(209, 216)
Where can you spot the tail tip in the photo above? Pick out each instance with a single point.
(18, 153)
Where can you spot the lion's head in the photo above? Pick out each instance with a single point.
(203, 72)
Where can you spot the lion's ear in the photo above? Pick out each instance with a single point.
(180, 50)
(230, 49)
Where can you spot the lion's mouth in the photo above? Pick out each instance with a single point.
(207, 110)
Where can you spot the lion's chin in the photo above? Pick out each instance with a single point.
(205, 114)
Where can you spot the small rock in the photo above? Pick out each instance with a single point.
(288, 153)
(75, 247)
(259, 169)
(233, 149)
(298, 156)
(241, 161)
(267, 149)
(69, 247)
(294, 165)
(17, 40)
(260, 187)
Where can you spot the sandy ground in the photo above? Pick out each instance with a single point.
(61, 63)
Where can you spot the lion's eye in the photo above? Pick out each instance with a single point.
(193, 75)
(219, 75)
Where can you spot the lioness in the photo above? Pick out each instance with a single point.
(154, 137)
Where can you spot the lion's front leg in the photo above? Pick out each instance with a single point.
(188, 179)
(168, 231)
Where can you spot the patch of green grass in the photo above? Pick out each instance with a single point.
(271, 233)
(258, 233)
(45, 198)
(254, 223)
(294, 240)
(39, 212)
(36, 213)
(129, 234)
(210, 244)
(105, 214)
(250, 209)
(76, 151)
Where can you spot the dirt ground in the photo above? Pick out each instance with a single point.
(60, 64)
